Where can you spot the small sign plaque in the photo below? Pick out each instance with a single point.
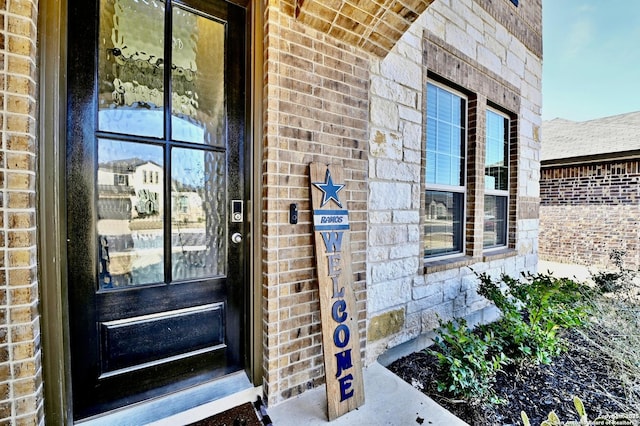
(340, 337)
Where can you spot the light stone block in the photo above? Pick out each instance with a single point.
(393, 270)
(389, 294)
(398, 171)
(404, 251)
(384, 113)
(389, 196)
(402, 70)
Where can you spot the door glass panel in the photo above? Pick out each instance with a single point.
(130, 67)
(198, 213)
(130, 214)
(198, 98)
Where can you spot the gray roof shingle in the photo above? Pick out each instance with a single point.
(566, 139)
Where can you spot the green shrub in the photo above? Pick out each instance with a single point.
(468, 361)
(533, 312)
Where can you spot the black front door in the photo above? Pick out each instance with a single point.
(156, 195)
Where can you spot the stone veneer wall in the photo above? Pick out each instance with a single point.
(491, 50)
(316, 109)
(589, 210)
(21, 401)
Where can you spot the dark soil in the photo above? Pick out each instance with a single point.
(581, 371)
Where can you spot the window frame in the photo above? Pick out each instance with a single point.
(453, 189)
(507, 119)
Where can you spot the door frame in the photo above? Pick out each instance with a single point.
(52, 35)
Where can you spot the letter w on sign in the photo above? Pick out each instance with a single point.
(340, 337)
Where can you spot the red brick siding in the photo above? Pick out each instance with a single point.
(589, 210)
(316, 110)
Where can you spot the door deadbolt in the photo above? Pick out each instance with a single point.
(236, 238)
(237, 211)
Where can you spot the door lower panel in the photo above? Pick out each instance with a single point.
(140, 342)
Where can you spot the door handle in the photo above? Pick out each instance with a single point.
(236, 238)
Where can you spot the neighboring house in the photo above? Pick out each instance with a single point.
(590, 190)
(145, 290)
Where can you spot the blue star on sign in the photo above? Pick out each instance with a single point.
(329, 189)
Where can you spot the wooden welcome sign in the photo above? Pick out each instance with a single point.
(340, 337)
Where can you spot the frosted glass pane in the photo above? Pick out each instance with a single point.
(198, 98)
(198, 212)
(131, 67)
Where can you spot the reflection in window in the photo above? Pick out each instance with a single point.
(443, 223)
(495, 221)
(445, 171)
(130, 214)
(133, 177)
(198, 202)
(496, 179)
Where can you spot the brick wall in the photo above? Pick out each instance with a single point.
(589, 210)
(491, 51)
(21, 400)
(316, 110)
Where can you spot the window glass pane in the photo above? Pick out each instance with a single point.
(432, 126)
(456, 170)
(445, 101)
(497, 153)
(198, 213)
(432, 100)
(445, 137)
(457, 112)
(443, 169)
(197, 78)
(495, 221)
(130, 67)
(431, 167)
(443, 222)
(130, 214)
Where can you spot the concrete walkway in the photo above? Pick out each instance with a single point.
(566, 270)
(389, 400)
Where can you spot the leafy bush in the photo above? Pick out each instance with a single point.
(468, 361)
(533, 312)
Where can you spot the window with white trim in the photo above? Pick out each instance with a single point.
(496, 180)
(445, 177)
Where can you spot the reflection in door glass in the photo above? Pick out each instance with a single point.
(130, 214)
(198, 205)
(131, 66)
(197, 79)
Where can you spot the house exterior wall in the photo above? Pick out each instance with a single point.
(587, 211)
(21, 400)
(316, 110)
(492, 50)
(324, 101)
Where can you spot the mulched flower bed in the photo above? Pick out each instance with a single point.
(582, 371)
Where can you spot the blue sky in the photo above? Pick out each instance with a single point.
(591, 63)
